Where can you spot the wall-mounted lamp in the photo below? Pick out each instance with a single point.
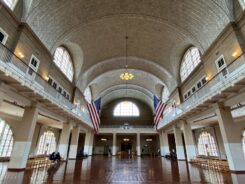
(45, 77)
(235, 54)
(19, 54)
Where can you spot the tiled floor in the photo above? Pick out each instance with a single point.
(99, 170)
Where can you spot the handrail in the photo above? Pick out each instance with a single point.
(11, 64)
(218, 83)
(215, 75)
(128, 126)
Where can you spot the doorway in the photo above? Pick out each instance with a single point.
(126, 146)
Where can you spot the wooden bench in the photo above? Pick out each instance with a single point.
(210, 162)
(38, 161)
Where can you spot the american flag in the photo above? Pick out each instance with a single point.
(94, 110)
(159, 107)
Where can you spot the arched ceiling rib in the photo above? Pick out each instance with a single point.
(131, 93)
(129, 86)
(134, 63)
(110, 79)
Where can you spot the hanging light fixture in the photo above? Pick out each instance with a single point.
(126, 75)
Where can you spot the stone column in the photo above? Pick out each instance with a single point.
(164, 147)
(231, 135)
(74, 142)
(189, 141)
(138, 145)
(90, 153)
(2, 95)
(23, 139)
(114, 144)
(179, 144)
(88, 144)
(64, 140)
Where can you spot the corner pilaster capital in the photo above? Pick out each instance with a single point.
(176, 126)
(218, 106)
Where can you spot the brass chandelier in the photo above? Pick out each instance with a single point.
(126, 75)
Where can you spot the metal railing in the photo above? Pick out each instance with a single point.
(233, 73)
(126, 127)
(11, 65)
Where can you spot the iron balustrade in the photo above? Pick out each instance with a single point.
(126, 126)
(11, 65)
(231, 74)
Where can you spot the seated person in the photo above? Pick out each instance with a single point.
(173, 154)
(55, 156)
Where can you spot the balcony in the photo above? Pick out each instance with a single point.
(126, 127)
(218, 89)
(25, 77)
(146, 129)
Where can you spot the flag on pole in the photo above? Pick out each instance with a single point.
(94, 110)
(159, 107)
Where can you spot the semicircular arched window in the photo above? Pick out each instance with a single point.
(63, 60)
(47, 143)
(165, 94)
(126, 108)
(10, 3)
(242, 3)
(190, 61)
(6, 139)
(207, 145)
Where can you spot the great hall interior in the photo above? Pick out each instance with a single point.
(124, 91)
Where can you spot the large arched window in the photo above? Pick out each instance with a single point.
(165, 94)
(63, 60)
(6, 139)
(88, 94)
(190, 61)
(126, 108)
(242, 3)
(207, 145)
(47, 143)
(10, 3)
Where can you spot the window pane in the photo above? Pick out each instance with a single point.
(6, 139)
(126, 108)
(190, 60)
(207, 145)
(63, 60)
(9, 3)
(47, 143)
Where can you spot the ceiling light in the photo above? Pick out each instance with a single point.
(103, 139)
(127, 76)
(126, 140)
(148, 140)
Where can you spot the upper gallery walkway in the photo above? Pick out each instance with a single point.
(21, 83)
(226, 87)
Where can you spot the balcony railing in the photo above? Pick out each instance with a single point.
(126, 127)
(20, 71)
(233, 73)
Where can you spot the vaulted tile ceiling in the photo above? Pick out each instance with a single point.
(159, 32)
